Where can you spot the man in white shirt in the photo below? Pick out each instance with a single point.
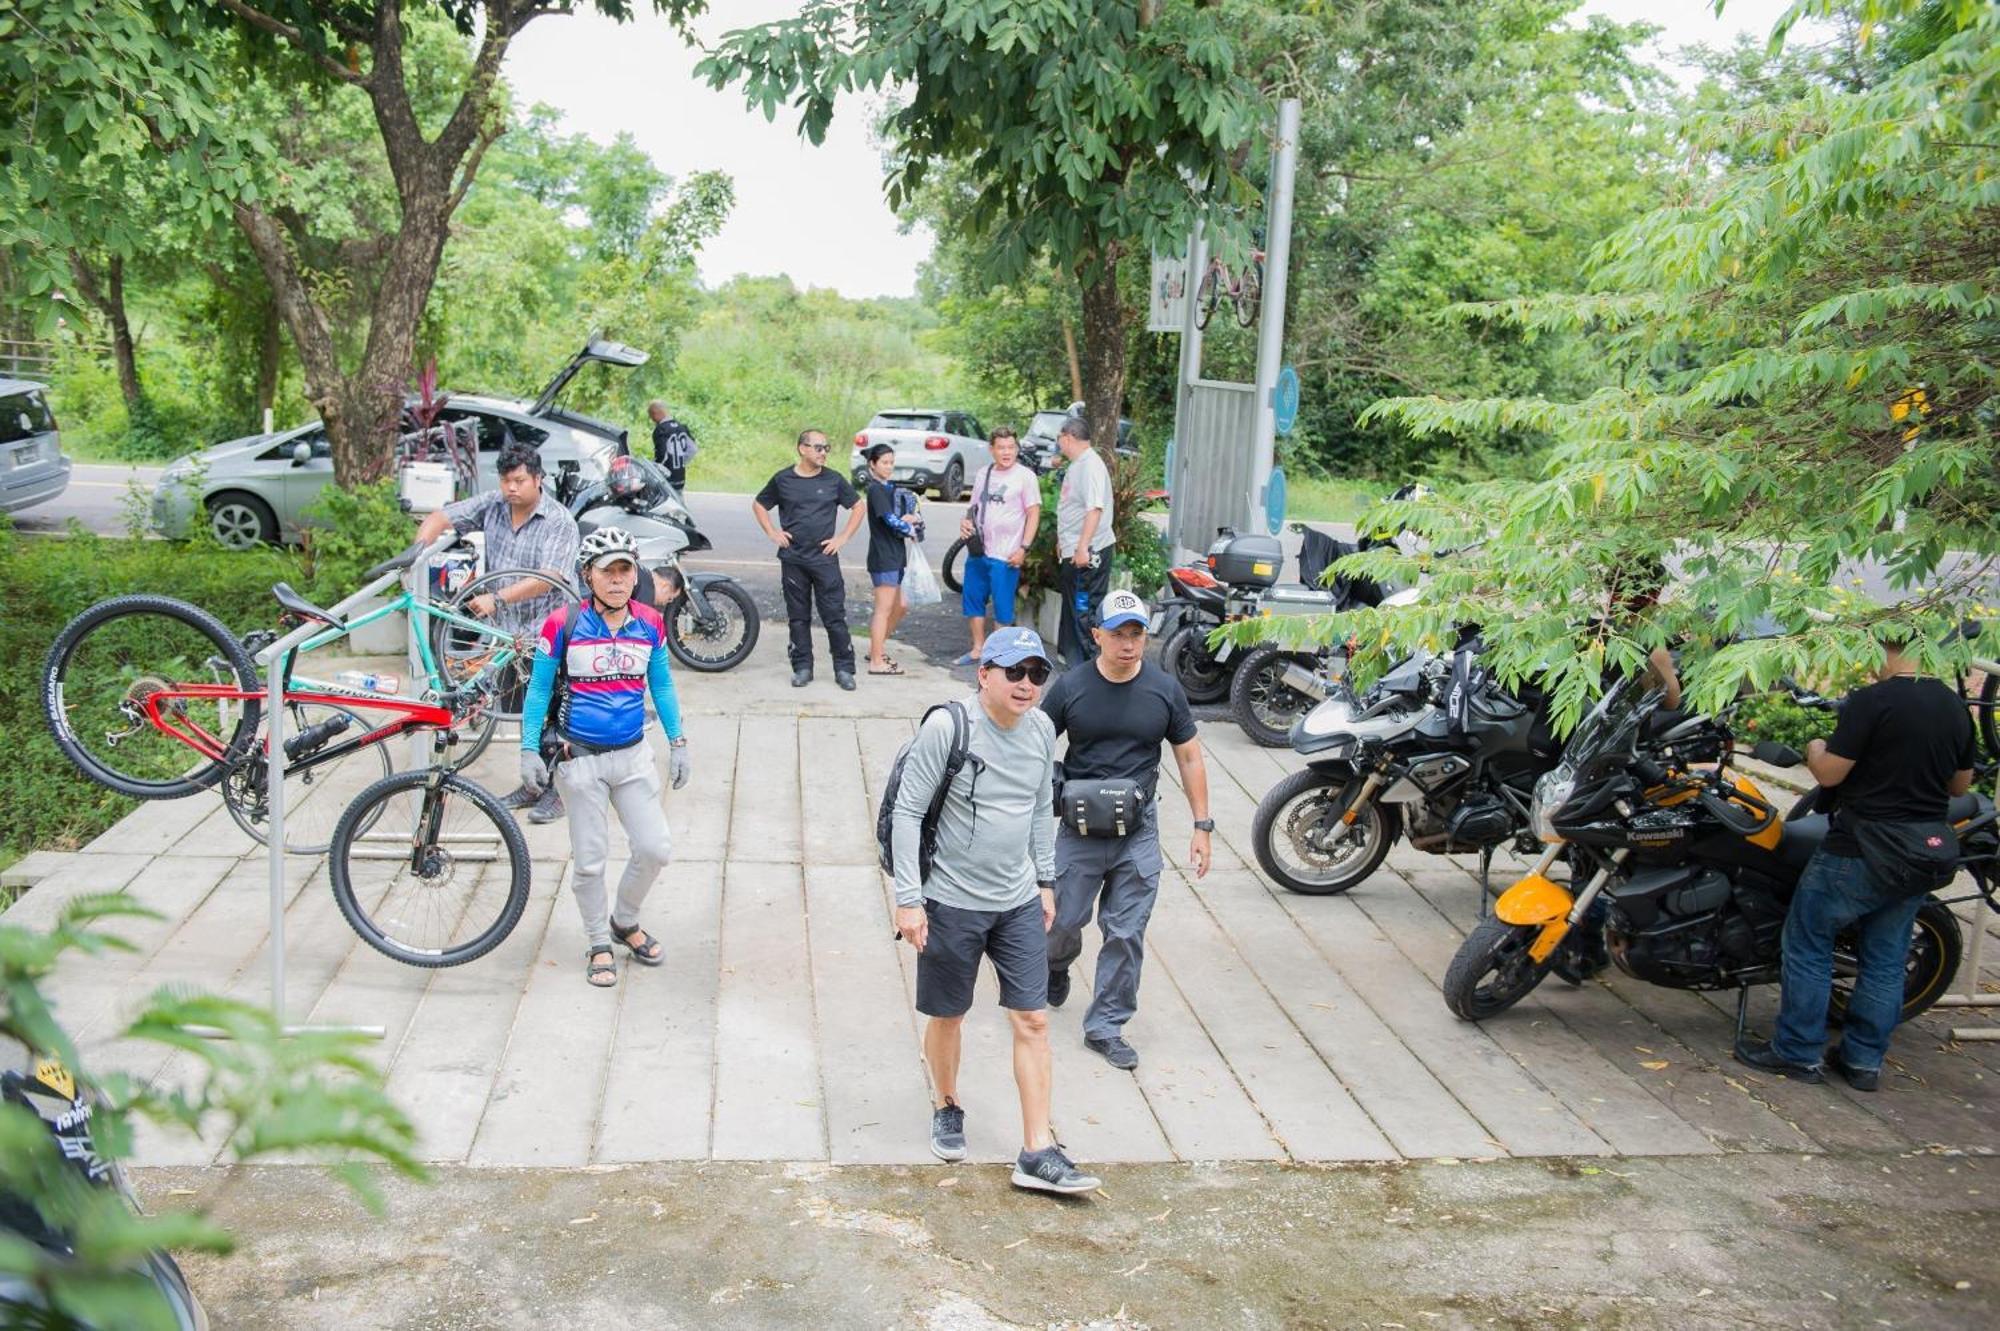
(1083, 540)
(998, 528)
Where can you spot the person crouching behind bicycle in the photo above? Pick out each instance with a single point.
(596, 663)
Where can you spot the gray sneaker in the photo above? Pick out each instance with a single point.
(548, 808)
(1049, 1170)
(948, 1131)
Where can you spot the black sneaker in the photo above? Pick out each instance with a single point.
(1759, 1054)
(1058, 987)
(948, 1131)
(844, 678)
(548, 808)
(1861, 1079)
(801, 677)
(1116, 1052)
(1049, 1170)
(519, 798)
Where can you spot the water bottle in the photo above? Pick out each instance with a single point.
(368, 681)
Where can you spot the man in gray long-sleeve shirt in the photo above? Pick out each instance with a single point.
(990, 892)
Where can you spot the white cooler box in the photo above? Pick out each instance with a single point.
(427, 486)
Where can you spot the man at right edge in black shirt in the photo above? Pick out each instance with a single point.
(1901, 749)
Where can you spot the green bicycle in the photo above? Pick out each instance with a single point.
(477, 666)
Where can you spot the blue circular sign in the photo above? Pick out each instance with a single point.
(1285, 400)
(1274, 500)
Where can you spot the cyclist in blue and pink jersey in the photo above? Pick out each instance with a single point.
(606, 655)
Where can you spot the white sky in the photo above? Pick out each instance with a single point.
(818, 213)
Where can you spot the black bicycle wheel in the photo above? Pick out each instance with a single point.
(1205, 297)
(110, 660)
(1248, 295)
(725, 637)
(951, 569)
(467, 657)
(429, 868)
(1988, 712)
(312, 796)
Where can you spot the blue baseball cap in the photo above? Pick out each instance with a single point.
(1122, 607)
(1011, 646)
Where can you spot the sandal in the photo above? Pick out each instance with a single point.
(599, 974)
(893, 669)
(649, 953)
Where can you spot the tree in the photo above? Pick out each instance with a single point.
(1801, 375)
(1090, 133)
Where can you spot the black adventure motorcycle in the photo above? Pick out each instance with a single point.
(1435, 750)
(1698, 867)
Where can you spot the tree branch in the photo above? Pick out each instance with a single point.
(263, 22)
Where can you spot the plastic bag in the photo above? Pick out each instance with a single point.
(920, 584)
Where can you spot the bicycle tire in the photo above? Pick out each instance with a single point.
(62, 657)
(1248, 295)
(236, 796)
(370, 809)
(1206, 296)
(512, 678)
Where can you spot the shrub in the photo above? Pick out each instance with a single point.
(348, 532)
(1774, 716)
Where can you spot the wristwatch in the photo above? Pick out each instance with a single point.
(1204, 824)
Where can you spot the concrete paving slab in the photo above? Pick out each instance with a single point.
(769, 1094)
(764, 815)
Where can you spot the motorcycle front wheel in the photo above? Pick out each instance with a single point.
(1296, 850)
(725, 638)
(1265, 705)
(1492, 970)
(1187, 658)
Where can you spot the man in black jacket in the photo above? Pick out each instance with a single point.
(673, 444)
(1901, 750)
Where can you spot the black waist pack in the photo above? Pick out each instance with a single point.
(1907, 859)
(1103, 808)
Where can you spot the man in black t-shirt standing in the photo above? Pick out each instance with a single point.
(806, 497)
(1901, 749)
(673, 444)
(1116, 709)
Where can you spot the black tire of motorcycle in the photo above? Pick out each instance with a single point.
(949, 566)
(1491, 942)
(753, 624)
(1198, 685)
(1989, 717)
(1936, 948)
(1243, 686)
(1265, 821)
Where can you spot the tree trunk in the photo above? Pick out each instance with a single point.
(108, 298)
(270, 352)
(1104, 320)
(1075, 369)
(361, 409)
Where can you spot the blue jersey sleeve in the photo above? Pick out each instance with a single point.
(660, 681)
(535, 706)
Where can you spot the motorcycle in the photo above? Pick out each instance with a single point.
(65, 1109)
(1697, 865)
(714, 625)
(1436, 751)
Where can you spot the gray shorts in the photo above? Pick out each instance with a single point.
(948, 967)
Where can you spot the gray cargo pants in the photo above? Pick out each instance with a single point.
(592, 786)
(1119, 879)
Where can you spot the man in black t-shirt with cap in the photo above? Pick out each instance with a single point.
(1899, 753)
(1116, 708)
(806, 497)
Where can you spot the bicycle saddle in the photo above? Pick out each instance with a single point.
(402, 561)
(303, 608)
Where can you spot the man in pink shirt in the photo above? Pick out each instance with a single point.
(998, 528)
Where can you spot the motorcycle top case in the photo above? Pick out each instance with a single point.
(1246, 559)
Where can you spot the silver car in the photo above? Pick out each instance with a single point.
(255, 490)
(32, 466)
(935, 449)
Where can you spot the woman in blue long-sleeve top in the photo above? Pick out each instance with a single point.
(892, 520)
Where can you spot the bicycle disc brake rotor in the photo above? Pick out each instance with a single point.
(1320, 834)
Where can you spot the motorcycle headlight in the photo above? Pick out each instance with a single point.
(1551, 793)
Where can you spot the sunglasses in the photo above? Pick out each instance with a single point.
(1035, 672)
(817, 448)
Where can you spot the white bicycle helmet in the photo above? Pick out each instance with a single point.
(606, 545)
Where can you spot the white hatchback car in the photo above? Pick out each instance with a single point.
(935, 449)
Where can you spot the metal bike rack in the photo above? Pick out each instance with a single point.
(275, 659)
(1970, 995)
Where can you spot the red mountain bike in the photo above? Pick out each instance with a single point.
(154, 698)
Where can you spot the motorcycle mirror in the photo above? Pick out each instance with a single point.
(1774, 754)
